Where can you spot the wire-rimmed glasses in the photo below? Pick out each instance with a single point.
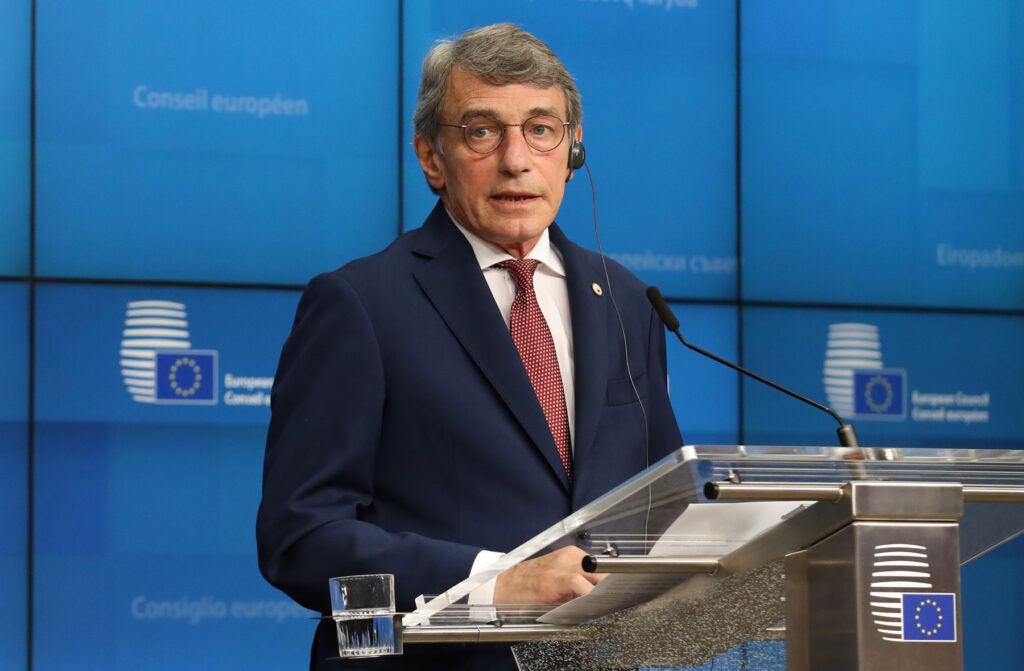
(484, 134)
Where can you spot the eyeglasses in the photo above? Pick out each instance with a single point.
(484, 134)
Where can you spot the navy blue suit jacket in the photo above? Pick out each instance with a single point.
(405, 436)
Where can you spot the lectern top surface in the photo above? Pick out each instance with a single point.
(645, 515)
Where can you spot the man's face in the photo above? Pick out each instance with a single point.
(511, 195)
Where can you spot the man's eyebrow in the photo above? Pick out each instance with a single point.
(549, 111)
(492, 113)
(478, 111)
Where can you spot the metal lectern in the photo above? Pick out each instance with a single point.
(852, 556)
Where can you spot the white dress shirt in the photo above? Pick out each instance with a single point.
(553, 298)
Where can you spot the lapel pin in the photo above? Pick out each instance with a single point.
(598, 291)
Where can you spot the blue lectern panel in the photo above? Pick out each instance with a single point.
(657, 81)
(13, 473)
(15, 26)
(198, 140)
(704, 393)
(930, 380)
(883, 152)
(145, 497)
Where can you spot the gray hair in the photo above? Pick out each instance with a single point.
(498, 54)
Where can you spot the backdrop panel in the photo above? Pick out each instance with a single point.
(13, 473)
(203, 141)
(903, 379)
(883, 152)
(704, 392)
(657, 80)
(147, 487)
(15, 27)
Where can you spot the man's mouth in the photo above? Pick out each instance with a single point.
(514, 197)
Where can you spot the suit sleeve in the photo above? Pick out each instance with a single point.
(318, 474)
(664, 431)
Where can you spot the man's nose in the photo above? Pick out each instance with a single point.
(516, 156)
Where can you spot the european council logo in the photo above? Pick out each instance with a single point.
(909, 616)
(857, 383)
(158, 364)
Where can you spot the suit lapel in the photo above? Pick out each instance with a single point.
(590, 345)
(455, 286)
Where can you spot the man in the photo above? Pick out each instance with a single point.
(467, 387)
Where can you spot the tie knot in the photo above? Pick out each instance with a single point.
(521, 271)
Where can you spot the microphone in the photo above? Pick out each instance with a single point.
(846, 432)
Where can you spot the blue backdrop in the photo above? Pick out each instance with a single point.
(884, 152)
(13, 472)
(160, 546)
(792, 175)
(196, 140)
(15, 25)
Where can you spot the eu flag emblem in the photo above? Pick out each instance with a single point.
(186, 376)
(929, 617)
(880, 393)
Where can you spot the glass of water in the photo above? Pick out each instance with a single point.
(363, 607)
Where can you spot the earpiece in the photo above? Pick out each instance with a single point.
(577, 155)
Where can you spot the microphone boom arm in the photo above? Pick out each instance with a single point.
(847, 434)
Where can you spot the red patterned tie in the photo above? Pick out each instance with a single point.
(532, 338)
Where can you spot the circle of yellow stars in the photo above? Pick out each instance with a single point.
(876, 406)
(197, 379)
(938, 612)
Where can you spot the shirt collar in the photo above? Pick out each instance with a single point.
(487, 253)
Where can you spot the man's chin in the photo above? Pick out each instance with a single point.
(525, 222)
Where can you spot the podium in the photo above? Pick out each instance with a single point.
(851, 556)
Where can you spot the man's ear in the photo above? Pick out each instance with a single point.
(431, 161)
